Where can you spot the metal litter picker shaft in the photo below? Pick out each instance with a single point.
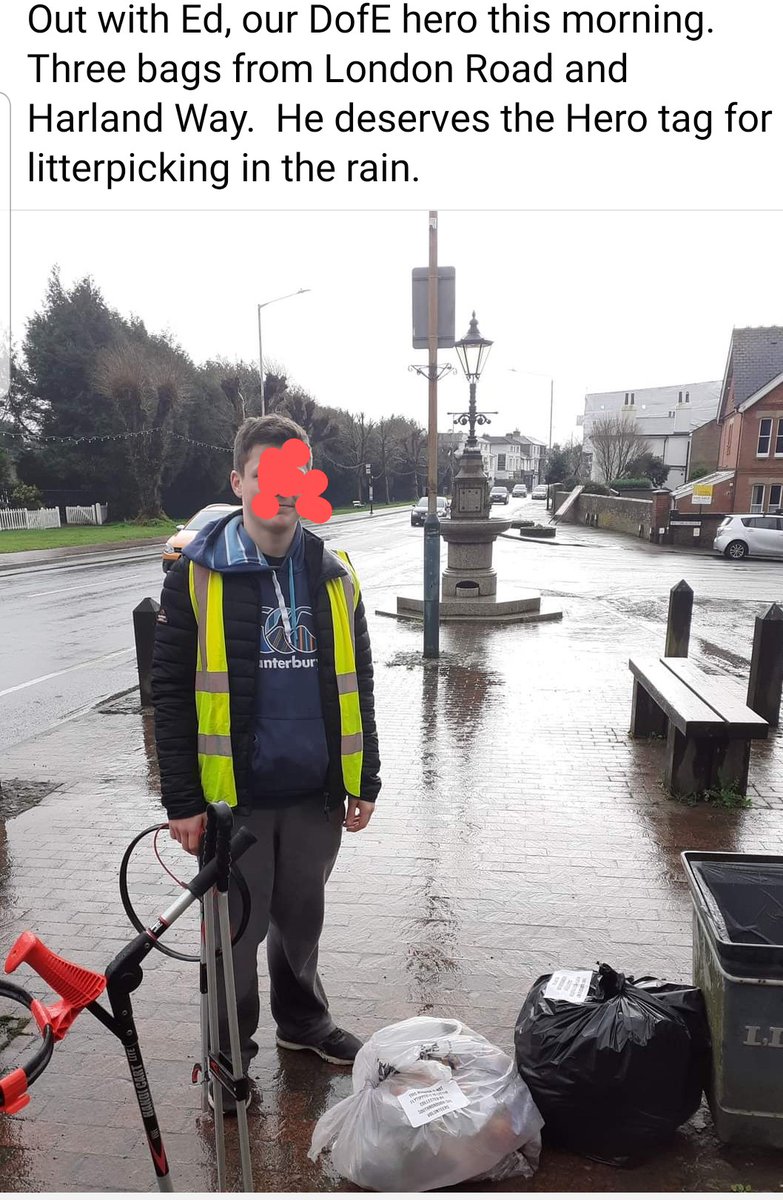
(224, 1075)
(80, 988)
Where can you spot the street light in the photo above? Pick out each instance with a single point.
(542, 375)
(265, 304)
(472, 351)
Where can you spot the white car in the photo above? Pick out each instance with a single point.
(747, 534)
(539, 492)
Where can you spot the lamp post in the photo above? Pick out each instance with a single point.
(266, 304)
(471, 486)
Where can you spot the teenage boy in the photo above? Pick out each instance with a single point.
(263, 694)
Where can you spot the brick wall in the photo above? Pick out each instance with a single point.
(722, 501)
(753, 468)
(705, 448)
(700, 532)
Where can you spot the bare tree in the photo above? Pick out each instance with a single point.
(148, 383)
(616, 440)
(412, 447)
(354, 446)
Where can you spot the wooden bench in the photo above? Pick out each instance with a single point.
(705, 719)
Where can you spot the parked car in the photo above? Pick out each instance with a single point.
(419, 511)
(498, 495)
(741, 535)
(539, 492)
(186, 533)
(519, 491)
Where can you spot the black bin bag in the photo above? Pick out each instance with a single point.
(615, 1075)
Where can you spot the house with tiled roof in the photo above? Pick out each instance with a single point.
(750, 417)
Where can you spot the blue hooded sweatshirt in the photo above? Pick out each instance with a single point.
(290, 758)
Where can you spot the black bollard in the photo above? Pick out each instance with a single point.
(678, 626)
(766, 665)
(144, 617)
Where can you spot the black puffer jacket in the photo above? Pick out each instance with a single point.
(173, 682)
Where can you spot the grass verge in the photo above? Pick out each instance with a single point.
(13, 540)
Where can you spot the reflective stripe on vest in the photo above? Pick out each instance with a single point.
(213, 706)
(216, 766)
(343, 600)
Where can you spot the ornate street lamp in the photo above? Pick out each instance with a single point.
(473, 352)
(470, 498)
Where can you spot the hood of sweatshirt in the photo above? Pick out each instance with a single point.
(226, 546)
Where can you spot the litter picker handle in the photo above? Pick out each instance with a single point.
(77, 986)
(223, 821)
(242, 840)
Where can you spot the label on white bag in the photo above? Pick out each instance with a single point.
(422, 1105)
(569, 985)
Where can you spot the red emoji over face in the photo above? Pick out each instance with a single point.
(280, 474)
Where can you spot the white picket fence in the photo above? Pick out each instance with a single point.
(29, 518)
(43, 518)
(86, 514)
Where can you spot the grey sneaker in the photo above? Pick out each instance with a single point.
(338, 1047)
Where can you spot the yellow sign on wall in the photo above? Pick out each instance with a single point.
(702, 493)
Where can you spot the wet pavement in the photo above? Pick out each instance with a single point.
(519, 829)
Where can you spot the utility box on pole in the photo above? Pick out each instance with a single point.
(447, 287)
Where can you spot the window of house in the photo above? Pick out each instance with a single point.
(775, 493)
(765, 436)
(687, 397)
(626, 398)
(679, 397)
(633, 397)
(779, 438)
(728, 439)
(757, 498)
(501, 462)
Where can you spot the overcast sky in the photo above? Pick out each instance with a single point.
(598, 301)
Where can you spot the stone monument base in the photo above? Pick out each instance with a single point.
(507, 606)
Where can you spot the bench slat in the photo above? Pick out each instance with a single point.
(722, 694)
(686, 711)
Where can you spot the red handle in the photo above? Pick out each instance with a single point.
(77, 985)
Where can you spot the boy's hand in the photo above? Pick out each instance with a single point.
(357, 814)
(187, 831)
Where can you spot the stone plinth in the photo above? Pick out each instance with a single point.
(470, 556)
(505, 607)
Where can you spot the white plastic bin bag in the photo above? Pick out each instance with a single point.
(433, 1104)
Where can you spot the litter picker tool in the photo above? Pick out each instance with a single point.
(224, 1075)
(79, 988)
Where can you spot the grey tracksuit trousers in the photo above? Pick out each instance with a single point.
(286, 872)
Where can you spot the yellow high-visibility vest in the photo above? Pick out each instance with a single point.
(213, 708)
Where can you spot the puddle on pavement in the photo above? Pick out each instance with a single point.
(17, 795)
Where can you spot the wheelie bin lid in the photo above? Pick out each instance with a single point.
(740, 900)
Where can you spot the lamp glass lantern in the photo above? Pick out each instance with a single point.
(473, 351)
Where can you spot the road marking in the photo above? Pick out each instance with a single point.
(66, 670)
(60, 591)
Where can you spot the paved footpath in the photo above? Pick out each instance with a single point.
(519, 830)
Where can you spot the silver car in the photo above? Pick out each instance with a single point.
(757, 534)
(419, 511)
